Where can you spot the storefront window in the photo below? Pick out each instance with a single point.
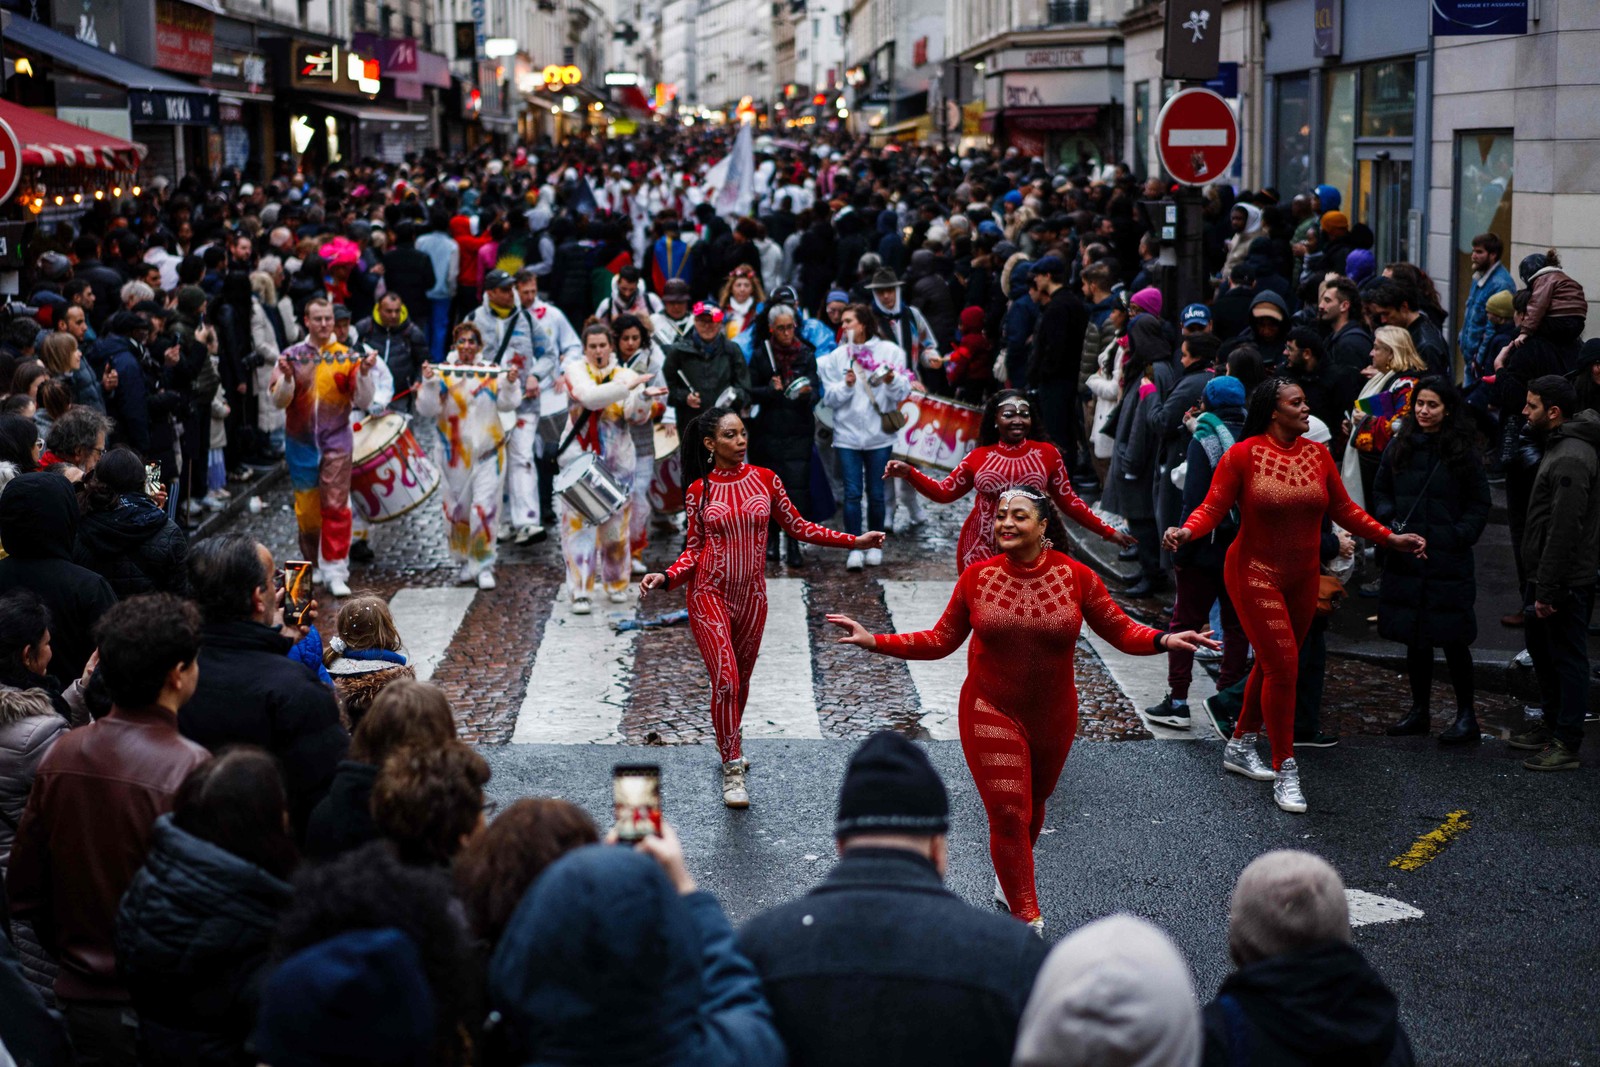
(1389, 99)
(1292, 150)
(1339, 132)
(1141, 130)
(1483, 200)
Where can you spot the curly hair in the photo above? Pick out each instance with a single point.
(427, 800)
(140, 640)
(496, 868)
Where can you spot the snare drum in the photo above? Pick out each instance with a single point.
(666, 485)
(590, 490)
(390, 473)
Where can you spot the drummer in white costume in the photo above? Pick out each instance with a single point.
(542, 415)
(637, 352)
(606, 399)
(472, 445)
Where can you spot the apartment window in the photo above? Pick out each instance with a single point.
(1483, 188)
(1068, 10)
(1389, 99)
(1292, 133)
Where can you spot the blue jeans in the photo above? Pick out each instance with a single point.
(439, 329)
(857, 466)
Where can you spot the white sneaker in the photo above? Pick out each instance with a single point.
(734, 793)
(580, 605)
(618, 597)
(1286, 787)
(855, 560)
(486, 578)
(639, 568)
(874, 557)
(1241, 757)
(468, 573)
(529, 534)
(316, 576)
(339, 588)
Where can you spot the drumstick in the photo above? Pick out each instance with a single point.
(687, 384)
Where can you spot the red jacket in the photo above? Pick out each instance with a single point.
(461, 230)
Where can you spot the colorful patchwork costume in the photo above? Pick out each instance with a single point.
(473, 447)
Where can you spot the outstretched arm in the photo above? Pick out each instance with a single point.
(694, 539)
(1073, 507)
(1225, 485)
(945, 637)
(957, 484)
(1347, 512)
(796, 525)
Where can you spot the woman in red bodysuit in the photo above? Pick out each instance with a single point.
(724, 562)
(1008, 454)
(1283, 486)
(1019, 704)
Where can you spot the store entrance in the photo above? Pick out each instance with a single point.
(1383, 201)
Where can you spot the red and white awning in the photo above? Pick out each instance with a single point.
(49, 142)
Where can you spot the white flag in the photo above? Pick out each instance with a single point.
(737, 190)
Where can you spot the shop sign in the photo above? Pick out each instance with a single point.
(557, 75)
(395, 55)
(1326, 40)
(248, 69)
(1193, 42)
(1226, 83)
(172, 109)
(185, 38)
(97, 23)
(1064, 57)
(1476, 18)
(332, 69)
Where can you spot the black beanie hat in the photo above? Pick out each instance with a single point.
(891, 787)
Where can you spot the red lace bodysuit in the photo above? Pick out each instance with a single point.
(1019, 704)
(992, 468)
(1272, 567)
(724, 561)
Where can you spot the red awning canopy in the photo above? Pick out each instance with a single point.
(49, 142)
(1052, 118)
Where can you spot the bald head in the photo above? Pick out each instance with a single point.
(1286, 901)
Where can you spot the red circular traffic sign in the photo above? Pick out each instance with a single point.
(10, 161)
(1197, 136)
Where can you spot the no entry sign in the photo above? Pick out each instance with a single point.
(1197, 136)
(10, 161)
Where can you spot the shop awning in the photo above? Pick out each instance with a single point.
(1052, 118)
(49, 142)
(376, 114)
(86, 59)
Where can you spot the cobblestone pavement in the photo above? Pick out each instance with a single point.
(486, 668)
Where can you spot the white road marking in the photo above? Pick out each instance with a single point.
(1367, 908)
(917, 606)
(1143, 679)
(579, 684)
(783, 702)
(427, 620)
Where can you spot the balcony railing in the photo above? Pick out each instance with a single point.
(1058, 11)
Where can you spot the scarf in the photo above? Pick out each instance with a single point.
(589, 436)
(895, 315)
(1213, 435)
(783, 359)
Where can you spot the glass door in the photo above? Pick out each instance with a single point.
(1383, 201)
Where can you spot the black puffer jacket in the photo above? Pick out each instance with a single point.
(930, 294)
(193, 933)
(134, 546)
(786, 425)
(1430, 601)
(342, 821)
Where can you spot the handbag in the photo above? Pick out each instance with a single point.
(891, 422)
(1330, 595)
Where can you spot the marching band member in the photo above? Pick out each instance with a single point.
(317, 382)
(511, 338)
(382, 397)
(606, 398)
(637, 352)
(467, 407)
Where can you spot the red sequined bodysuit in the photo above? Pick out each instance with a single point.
(1019, 704)
(1272, 567)
(724, 561)
(991, 469)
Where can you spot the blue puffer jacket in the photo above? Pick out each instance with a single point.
(192, 938)
(604, 963)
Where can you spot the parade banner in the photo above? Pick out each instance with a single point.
(938, 432)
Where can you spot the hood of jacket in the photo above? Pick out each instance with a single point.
(599, 963)
(1267, 296)
(1252, 219)
(1148, 338)
(1585, 427)
(922, 264)
(39, 517)
(1326, 1003)
(397, 328)
(194, 907)
(132, 521)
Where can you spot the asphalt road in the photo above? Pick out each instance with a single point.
(1502, 967)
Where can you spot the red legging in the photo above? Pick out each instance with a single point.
(728, 631)
(1016, 768)
(1276, 613)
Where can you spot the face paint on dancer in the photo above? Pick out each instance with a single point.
(1019, 524)
(731, 442)
(468, 346)
(1014, 418)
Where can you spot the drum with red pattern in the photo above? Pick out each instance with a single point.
(390, 473)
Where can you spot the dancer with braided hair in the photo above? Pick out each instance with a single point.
(1283, 485)
(1012, 450)
(724, 565)
(1019, 704)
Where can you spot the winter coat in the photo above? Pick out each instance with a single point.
(1058, 340)
(1431, 346)
(445, 255)
(29, 725)
(39, 530)
(251, 693)
(711, 367)
(1429, 602)
(1351, 347)
(34, 1036)
(1555, 294)
(1130, 485)
(342, 820)
(403, 347)
(134, 546)
(1215, 432)
(1561, 534)
(408, 273)
(604, 962)
(193, 934)
(1320, 1006)
(856, 977)
(1475, 318)
(858, 409)
(126, 404)
(930, 294)
(786, 425)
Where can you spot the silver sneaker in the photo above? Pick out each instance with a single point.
(1241, 757)
(734, 794)
(1037, 926)
(1286, 787)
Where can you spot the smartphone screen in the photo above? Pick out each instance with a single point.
(636, 800)
(152, 479)
(296, 590)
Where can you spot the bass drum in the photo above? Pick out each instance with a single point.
(390, 474)
(666, 485)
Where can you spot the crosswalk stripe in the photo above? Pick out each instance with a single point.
(917, 606)
(1144, 680)
(428, 620)
(578, 687)
(1367, 908)
(783, 701)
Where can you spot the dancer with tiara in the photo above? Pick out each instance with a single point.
(1019, 704)
(724, 565)
(1012, 450)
